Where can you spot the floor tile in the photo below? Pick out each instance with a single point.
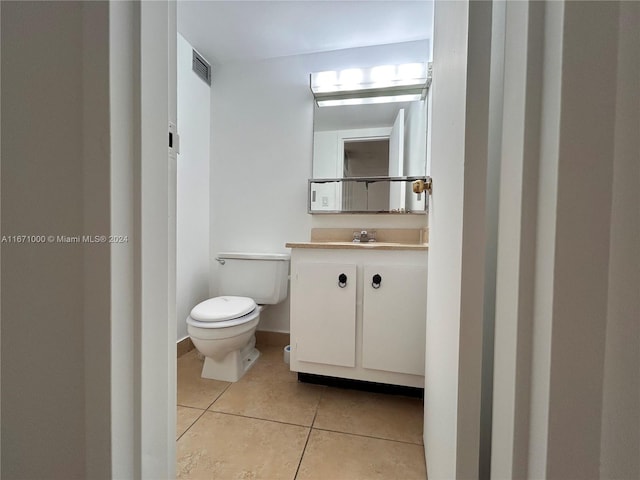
(221, 447)
(185, 418)
(270, 367)
(339, 456)
(193, 390)
(279, 401)
(377, 415)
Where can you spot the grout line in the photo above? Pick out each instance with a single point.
(189, 406)
(192, 423)
(203, 411)
(219, 395)
(263, 419)
(209, 405)
(304, 449)
(350, 433)
(368, 436)
(322, 394)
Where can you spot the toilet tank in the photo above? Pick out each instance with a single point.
(261, 276)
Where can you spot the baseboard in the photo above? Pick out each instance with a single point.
(272, 339)
(184, 346)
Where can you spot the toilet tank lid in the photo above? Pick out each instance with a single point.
(219, 309)
(255, 256)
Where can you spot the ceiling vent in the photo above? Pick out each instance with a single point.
(201, 67)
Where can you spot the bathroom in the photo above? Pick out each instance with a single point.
(89, 330)
(246, 147)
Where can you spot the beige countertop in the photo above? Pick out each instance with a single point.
(359, 246)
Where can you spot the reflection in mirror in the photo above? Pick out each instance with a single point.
(366, 157)
(372, 140)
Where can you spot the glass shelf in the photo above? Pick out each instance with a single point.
(392, 195)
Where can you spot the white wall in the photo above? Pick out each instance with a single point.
(194, 127)
(261, 148)
(620, 443)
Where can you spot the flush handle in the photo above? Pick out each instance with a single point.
(342, 280)
(376, 281)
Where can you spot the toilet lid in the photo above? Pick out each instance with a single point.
(219, 309)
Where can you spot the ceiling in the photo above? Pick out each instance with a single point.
(232, 31)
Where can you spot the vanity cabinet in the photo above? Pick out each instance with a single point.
(359, 314)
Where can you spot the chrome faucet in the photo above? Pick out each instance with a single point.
(363, 236)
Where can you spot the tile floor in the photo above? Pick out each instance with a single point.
(269, 426)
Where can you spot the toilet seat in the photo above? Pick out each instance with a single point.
(222, 312)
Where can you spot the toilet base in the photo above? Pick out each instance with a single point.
(233, 366)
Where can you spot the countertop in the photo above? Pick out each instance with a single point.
(359, 246)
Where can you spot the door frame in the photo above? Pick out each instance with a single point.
(459, 136)
(142, 94)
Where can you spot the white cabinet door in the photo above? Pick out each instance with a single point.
(323, 313)
(394, 318)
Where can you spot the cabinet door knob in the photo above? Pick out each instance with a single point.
(376, 281)
(342, 280)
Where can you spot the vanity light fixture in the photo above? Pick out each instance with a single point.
(381, 84)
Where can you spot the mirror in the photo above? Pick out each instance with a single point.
(371, 140)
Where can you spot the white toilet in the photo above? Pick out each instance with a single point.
(223, 328)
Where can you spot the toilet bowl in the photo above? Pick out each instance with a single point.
(223, 328)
